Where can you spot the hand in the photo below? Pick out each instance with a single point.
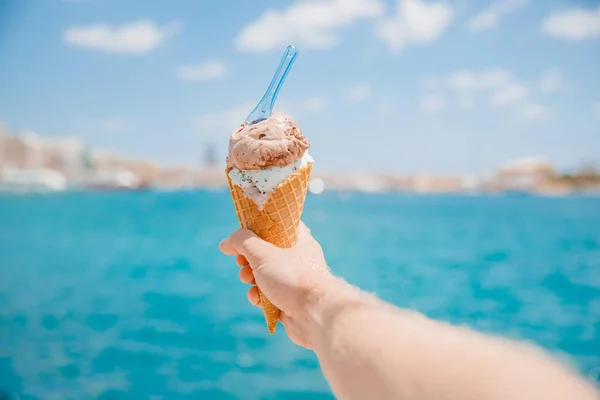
(290, 278)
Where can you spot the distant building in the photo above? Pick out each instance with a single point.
(13, 152)
(68, 156)
(32, 151)
(31, 180)
(437, 184)
(210, 155)
(532, 166)
(524, 174)
(112, 179)
(179, 177)
(145, 172)
(36, 150)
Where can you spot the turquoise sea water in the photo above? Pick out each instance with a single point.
(125, 295)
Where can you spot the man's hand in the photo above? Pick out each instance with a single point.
(368, 349)
(290, 278)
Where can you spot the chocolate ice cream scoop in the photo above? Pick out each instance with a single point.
(274, 142)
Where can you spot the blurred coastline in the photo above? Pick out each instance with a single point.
(30, 162)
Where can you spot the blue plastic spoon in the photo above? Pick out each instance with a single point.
(264, 108)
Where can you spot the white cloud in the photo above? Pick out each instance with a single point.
(432, 103)
(308, 24)
(510, 95)
(531, 110)
(416, 22)
(573, 24)
(314, 104)
(135, 38)
(222, 123)
(207, 71)
(462, 80)
(550, 81)
(517, 97)
(466, 80)
(483, 21)
(496, 84)
(489, 18)
(359, 93)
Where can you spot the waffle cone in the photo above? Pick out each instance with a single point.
(277, 222)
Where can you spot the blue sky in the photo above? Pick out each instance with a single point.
(407, 86)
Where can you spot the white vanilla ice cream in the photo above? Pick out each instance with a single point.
(258, 184)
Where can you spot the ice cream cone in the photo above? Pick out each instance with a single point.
(277, 222)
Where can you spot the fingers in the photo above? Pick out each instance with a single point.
(227, 248)
(246, 243)
(246, 275)
(253, 296)
(247, 248)
(283, 317)
(241, 261)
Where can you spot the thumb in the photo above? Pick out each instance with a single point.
(248, 244)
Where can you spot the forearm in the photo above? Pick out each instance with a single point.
(368, 349)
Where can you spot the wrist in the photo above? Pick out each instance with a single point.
(324, 302)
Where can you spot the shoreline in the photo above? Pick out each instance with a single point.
(353, 192)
